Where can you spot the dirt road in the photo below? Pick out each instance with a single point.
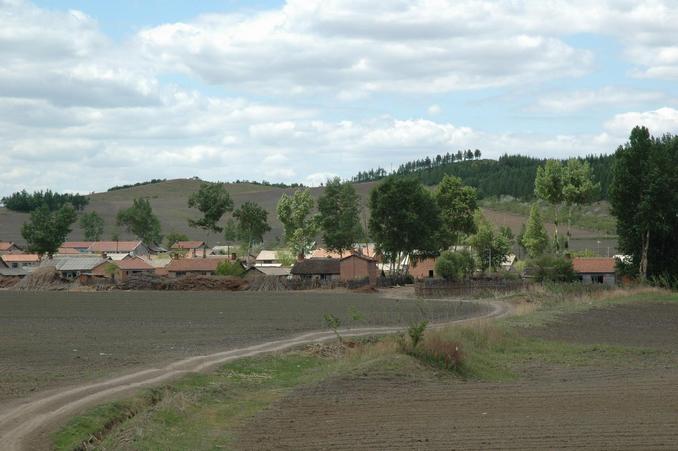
(27, 424)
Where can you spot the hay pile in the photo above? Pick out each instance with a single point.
(46, 278)
(186, 283)
(8, 282)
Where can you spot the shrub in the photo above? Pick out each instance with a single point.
(549, 268)
(439, 352)
(227, 268)
(333, 323)
(455, 266)
(416, 332)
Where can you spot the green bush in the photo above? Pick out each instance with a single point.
(549, 268)
(416, 332)
(455, 265)
(227, 268)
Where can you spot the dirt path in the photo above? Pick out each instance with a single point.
(27, 424)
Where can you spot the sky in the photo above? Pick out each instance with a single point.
(95, 94)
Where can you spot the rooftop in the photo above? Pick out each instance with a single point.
(114, 246)
(21, 258)
(594, 265)
(188, 245)
(134, 264)
(194, 264)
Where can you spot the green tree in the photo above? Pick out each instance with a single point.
(491, 246)
(231, 231)
(227, 268)
(457, 203)
(578, 188)
(548, 186)
(174, 237)
(404, 219)
(140, 220)
(45, 231)
(644, 199)
(92, 225)
(213, 201)
(299, 224)
(252, 224)
(339, 216)
(455, 265)
(535, 239)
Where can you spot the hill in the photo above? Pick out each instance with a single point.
(169, 200)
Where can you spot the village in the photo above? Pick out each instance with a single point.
(105, 264)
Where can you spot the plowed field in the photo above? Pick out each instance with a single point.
(630, 405)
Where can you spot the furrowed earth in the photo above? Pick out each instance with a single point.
(622, 403)
(55, 339)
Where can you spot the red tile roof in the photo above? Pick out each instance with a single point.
(114, 246)
(593, 265)
(188, 245)
(194, 264)
(6, 245)
(77, 244)
(135, 264)
(21, 258)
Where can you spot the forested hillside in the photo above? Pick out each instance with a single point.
(510, 175)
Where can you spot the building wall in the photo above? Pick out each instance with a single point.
(606, 279)
(358, 268)
(423, 269)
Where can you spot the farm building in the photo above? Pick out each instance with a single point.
(317, 268)
(132, 265)
(356, 266)
(195, 266)
(595, 270)
(256, 271)
(267, 258)
(7, 247)
(73, 267)
(422, 269)
(135, 248)
(21, 260)
(190, 249)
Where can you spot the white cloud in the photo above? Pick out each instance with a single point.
(661, 121)
(434, 110)
(568, 102)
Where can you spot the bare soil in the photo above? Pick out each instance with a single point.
(54, 339)
(631, 406)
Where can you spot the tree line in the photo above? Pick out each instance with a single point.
(26, 202)
(512, 175)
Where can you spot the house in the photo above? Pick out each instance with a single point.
(155, 249)
(7, 247)
(317, 268)
(368, 250)
(257, 271)
(132, 265)
(67, 251)
(79, 246)
(268, 258)
(73, 267)
(595, 270)
(135, 248)
(509, 261)
(195, 266)
(190, 249)
(21, 260)
(422, 269)
(356, 266)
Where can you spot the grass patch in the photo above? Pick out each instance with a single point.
(493, 351)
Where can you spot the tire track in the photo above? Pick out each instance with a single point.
(22, 425)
